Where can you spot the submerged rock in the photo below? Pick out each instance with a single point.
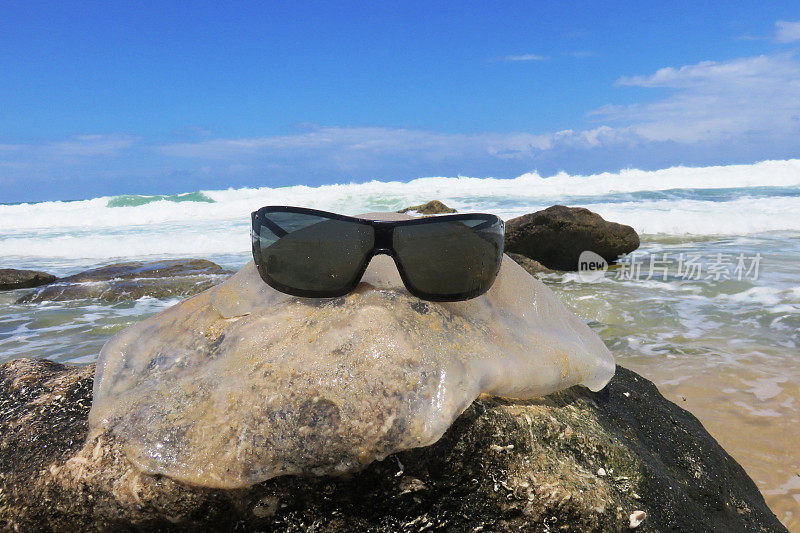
(434, 207)
(133, 280)
(502, 466)
(556, 236)
(12, 278)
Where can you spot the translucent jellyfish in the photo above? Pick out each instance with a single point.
(242, 383)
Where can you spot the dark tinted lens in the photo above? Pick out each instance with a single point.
(311, 253)
(451, 258)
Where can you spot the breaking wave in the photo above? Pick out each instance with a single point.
(717, 200)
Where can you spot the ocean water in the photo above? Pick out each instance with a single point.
(708, 308)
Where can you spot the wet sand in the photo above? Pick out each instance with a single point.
(727, 351)
(753, 415)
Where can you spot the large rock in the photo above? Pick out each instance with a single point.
(12, 278)
(502, 466)
(556, 236)
(133, 280)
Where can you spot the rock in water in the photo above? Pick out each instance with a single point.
(556, 236)
(12, 278)
(434, 207)
(502, 466)
(242, 383)
(133, 280)
(166, 268)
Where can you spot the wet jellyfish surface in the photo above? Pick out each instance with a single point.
(242, 383)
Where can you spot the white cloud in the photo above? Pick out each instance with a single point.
(74, 152)
(355, 145)
(787, 32)
(382, 153)
(78, 146)
(711, 74)
(92, 145)
(526, 57)
(715, 101)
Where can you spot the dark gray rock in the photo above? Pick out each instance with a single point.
(165, 268)
(133, 280)
(12, 278)
(502, 466)
(556, 236)
(533, 267)
(434, 207)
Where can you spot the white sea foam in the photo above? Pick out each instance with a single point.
(92, 229)
(775, 299)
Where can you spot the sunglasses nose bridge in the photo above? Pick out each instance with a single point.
(383, 239)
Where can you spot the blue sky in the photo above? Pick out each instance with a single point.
(101, 98)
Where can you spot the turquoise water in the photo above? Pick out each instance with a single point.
(134, 200)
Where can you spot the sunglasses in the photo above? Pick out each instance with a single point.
(306, 252)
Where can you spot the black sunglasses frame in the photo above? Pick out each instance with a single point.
(382, 245)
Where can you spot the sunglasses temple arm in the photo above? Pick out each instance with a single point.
(486, 224)
(274, 228)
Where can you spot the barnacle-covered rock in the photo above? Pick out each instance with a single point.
(573, 461)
